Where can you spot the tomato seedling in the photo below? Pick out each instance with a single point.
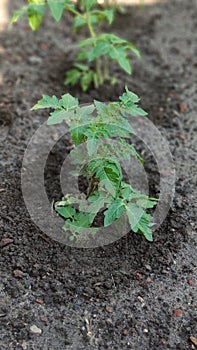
(96, 127)
(96, 51)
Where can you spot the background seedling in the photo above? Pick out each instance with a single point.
(97, 50)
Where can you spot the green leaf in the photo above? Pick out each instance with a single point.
(73, 227)
(77, 134)
(118, 54)
(125, 150)
(35, 15)
(104, 14)
(36, 2)
(109, 178)
(109, 14)
(134, 214)
(114, 39)
(58, 116)
(84, 113)
(125, 64)
(100, 49)
(72, 238)
(94, 196)
(18, 14)
(81, 222)
(47, 102)
(128, 104)
(72, 76)
(114, 211)
(128, 97)
(144, 226)
(78, 156)
(79, 22)
(88, 4)
(146, 203)
(118, 129)
(86, 80)
(85, 43)
(57, 8)
(92, 145)
(68, 101)
(134, 49)
(99, 203)
(83, 55)
(135, 111)
(34, 21)
(66, 212)
(76, 229)
(81, 66)
(125, 191)
(101, 107)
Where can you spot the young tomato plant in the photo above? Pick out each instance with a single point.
(96, 51)
(96, 127)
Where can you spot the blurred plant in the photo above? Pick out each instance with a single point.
(95, 52)
(95, 127)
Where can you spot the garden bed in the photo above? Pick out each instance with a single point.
(131, 294)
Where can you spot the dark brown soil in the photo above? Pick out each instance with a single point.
(131, 294)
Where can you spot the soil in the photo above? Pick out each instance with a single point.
(131, 294)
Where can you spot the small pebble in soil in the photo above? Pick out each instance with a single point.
(181, 137)
(191, 282)
(125, 331)
(109, 321)
(193, 340)
(141, 300)
(35, 330)
(18, 273)
(148, 267)
(138, 276)
(34, 60)
(39, 301)
(43, 319)
(149, 280)
(177, 312)
(109, 309)
(183, 107)
(24, 345)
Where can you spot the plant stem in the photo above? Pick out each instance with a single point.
(106, 68)
(97, 63)
(75, 12)
(100, 77)
(93, 185)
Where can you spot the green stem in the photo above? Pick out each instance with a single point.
(93, 35)
(75, 12)
(97, 63)
(106, 68)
